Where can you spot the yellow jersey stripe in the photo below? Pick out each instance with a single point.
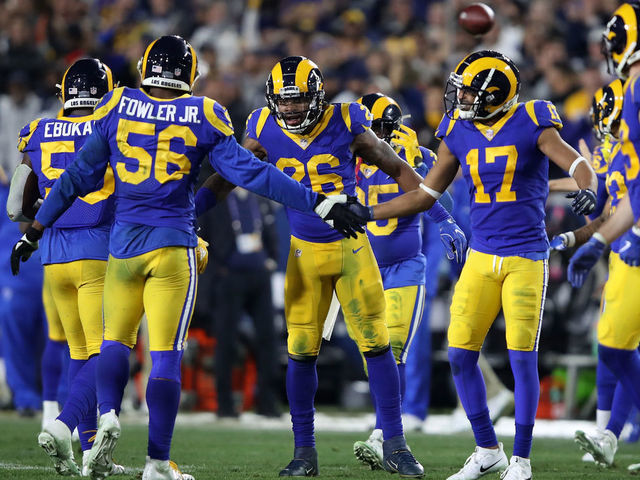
(530, 106)
(346, 115)
(262, 119)
(102, 111)
(24, 141)
(219, 124)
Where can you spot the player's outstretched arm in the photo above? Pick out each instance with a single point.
(578, 237)
(214, 189)
(22, 203)
(566, 157)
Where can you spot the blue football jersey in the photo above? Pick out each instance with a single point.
(82, 232)
(616, 184)
(320, 160)
(507, 177)
(155, 147)
(630, 141)
(395, 239)
(600, 158)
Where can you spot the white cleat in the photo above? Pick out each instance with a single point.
(55, 440)
(163, 470)
(115, 468)
(482, 462)
(500, 404)
(588, 458)
(519, 469)
(634, 468)
(602, 445)
(100, 457)
(369, 452)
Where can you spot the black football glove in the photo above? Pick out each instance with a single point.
(334, 211)
(363, 213)
(584, 201)
(24, 248)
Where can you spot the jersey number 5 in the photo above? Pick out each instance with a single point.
(164, 155)
(505, 194)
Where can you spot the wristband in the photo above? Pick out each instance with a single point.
(435, 194)
(636, 230)
(598, 236)
(575, 164)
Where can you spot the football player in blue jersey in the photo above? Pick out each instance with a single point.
(316, 144)
(614, 404)
(500, 145)
(74, 250)
(397, 246)
(619, 326)
(154, 139)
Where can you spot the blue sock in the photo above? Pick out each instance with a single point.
(403, 384)
(302, 384)
(524, 366)
(51, 364)
(620, 409)
(163, 400)
(385, 385)
(625, 364)
(473, 395)
(80, 408)
(378, 425)
(112, 375)
(605, 385)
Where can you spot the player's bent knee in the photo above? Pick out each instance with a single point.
(166, 364)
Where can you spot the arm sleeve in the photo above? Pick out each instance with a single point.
(241, 167)
(83, 176)
(601, 197)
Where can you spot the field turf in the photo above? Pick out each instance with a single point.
(222, 452)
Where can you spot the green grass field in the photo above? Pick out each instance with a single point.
(216, 452)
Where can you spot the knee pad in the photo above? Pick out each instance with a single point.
(166, 365)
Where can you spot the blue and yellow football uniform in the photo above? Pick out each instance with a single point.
(619, 325)
(320, 260)
(507, 268)
(600, 159)
(155, 148)
(397, 246)
(74, 250)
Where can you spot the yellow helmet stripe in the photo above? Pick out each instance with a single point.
(145, 56)
(598, 95)
(63, 85)
(379, 105)
(109, 77)
(487, 63)
(628, 15)
(194, 63)
(276, 78)
(302, 74)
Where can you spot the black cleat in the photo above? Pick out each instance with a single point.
(399, 459)
(304, 463)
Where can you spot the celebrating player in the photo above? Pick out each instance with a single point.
(397, 246)
(315, 143)
(155, 138)
(74, 250)
(500, 145)
(619, 326)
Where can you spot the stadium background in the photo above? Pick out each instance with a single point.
(404, 48)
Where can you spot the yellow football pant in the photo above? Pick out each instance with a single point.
(314, 270)
(490, 282)
(619, 325)
(161, 283)
(77, 289)
(54, 324)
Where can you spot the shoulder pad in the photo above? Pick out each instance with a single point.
(445, 126)
(543, 114)
(256, 121)
(217, 116)
(107, 103)
(356, 117)
(26, 133)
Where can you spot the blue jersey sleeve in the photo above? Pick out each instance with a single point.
(83, 176)
(544, 114)
(428, 159)
(256, 121)
(601, 197)
(444, 127)
(600, 159)
(357, 117)
(240, 167)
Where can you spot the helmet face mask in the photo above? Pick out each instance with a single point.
(169, 62)
(84, 84)
(484, 84)
(295, 94)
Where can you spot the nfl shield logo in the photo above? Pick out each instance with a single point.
(178, 72)
(93, 90)
(490, 134)
(297, 253)
(304, 142)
